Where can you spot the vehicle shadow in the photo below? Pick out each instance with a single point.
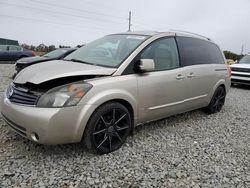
(78, 149)
(23, 146)
(239, 86)
(171, 121)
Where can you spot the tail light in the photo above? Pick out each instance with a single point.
(229, 70)
(33, 53)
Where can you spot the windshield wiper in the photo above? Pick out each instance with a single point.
(80, 61)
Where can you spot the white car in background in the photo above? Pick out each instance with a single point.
(241, 71)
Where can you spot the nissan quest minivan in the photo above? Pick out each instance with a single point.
(100, 92)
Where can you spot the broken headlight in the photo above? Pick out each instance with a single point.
(66, 95)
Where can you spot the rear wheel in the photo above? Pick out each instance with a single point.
(217, 101)
(108, 128)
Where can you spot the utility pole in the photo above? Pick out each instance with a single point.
(129, 21)
(242, 49)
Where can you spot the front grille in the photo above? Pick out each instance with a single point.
(240, 69)
(240, 75)
(23, 97)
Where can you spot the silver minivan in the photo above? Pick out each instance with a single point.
(100, 92)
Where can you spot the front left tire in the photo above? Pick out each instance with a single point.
(108, 128)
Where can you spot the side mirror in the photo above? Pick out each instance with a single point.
(146, 65)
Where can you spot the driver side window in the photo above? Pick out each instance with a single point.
(164, 53)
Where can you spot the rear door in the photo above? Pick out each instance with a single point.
(161, 92)
(14, 52)
(199, 59)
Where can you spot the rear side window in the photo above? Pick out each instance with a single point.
(197, 51)
(3, 47)
(14, 48)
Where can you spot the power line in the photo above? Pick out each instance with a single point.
(106, 5)
(77, 9)
(146, 25)
(50, 22)
(72, 15)
(83, 17)
(96, 13)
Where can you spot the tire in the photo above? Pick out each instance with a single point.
(108, 128)
(217, 101)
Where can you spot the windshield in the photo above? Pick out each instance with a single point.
(108, 51)
(55, 53)
(245, 60)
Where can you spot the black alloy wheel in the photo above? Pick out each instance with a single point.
(217, 101)
(108, 128)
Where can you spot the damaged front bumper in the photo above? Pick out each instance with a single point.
(47, 125)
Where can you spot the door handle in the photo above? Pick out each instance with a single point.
(191, 75)
(180, 77)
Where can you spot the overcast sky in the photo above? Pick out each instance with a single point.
(73, 22)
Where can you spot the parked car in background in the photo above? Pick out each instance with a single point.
(100, 92)
(241, 71)
(56, 54)
(13, 53)
(230, 61)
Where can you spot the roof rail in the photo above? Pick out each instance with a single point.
(195, 34)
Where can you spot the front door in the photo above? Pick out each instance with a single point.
(161, 92)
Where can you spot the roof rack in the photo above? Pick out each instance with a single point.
(195, 34)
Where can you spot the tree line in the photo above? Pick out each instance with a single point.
(44, 48)
(233, 56)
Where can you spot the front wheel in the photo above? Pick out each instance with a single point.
(107, 128)
(217, 101)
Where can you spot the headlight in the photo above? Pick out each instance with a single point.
(9, 91)
(66, 95)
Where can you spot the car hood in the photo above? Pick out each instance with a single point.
(239, 65)
(51, 70)
(33, 59)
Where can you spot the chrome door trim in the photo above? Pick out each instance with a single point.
(195, 98)
(165, 105)
(176, 103)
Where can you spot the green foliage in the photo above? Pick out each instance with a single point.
(231, 55)
(42, 48)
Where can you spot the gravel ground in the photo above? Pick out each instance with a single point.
(188, 150)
